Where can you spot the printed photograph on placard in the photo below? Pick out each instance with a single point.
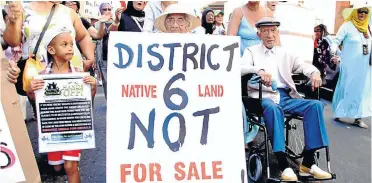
(65, 118)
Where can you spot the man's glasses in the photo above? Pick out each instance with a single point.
(171, 21)
(360, 11)
(267, 31)
(317, 30)
(106, 9)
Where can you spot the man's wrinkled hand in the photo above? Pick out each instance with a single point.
(266, 78)
(316, 81)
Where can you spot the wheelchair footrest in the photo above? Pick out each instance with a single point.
(276, 180)
(311, 178)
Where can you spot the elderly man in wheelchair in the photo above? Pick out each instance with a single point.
(275, 67)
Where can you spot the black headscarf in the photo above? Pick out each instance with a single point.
(207, 26)
(131, 11)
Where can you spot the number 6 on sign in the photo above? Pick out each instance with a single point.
(169, 92)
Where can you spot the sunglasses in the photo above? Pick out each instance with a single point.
(106, 9)
(317, 30)
(360, 11)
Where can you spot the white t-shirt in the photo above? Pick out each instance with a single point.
(219, 30)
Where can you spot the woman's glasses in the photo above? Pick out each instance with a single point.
(317, 30)
(171, 21)
(360, 11)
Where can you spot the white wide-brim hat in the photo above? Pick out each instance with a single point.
(177, 9)
(356, 5)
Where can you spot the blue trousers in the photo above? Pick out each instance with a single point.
(313, 122)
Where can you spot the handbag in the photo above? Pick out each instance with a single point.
(33, 65)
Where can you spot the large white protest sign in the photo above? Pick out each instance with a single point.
(174, 109)
(11, 170)
(65, 118)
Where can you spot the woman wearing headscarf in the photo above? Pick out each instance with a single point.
(208, 21)
(102, 45)
(352, 98)
(132, 19)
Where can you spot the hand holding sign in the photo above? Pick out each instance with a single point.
(37, 84)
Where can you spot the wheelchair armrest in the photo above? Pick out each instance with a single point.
(299, 78)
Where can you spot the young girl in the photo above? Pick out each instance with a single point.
(59, 44)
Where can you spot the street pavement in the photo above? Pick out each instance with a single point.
(350, 149)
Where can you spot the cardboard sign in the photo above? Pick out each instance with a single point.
(174, 109)
(17, 158)
(65, 117)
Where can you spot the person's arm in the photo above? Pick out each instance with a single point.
(148, 25)
(309, 70)
(234, 22)
(13, 31)
(92, 31)
(84, 40)
(340, 36)
(115, 26)
(247, 63)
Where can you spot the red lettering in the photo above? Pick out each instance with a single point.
(136, 172)
(210, 91)
(155, 169)
(179, 169)
(193, 172)
(153, 91)
(124, 172)
(124, 90)
(148, 91)
(220, 91)
(200, 93)
(216, 167)
(132, 92)
(204, 172)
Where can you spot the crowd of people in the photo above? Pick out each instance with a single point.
(71, 43)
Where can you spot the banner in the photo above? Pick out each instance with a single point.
(17, 160)
(174, 109)
(65, 116)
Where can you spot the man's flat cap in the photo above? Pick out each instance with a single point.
(267, 21)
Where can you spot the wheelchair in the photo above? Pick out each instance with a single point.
(259, 157)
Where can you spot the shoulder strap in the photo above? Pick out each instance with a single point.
(43, 31)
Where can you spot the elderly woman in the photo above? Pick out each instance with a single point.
(352, 98)
(176, 19)
(102, 45)
(208, 20)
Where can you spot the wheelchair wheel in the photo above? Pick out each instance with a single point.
(255, 168)
(295, 139)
